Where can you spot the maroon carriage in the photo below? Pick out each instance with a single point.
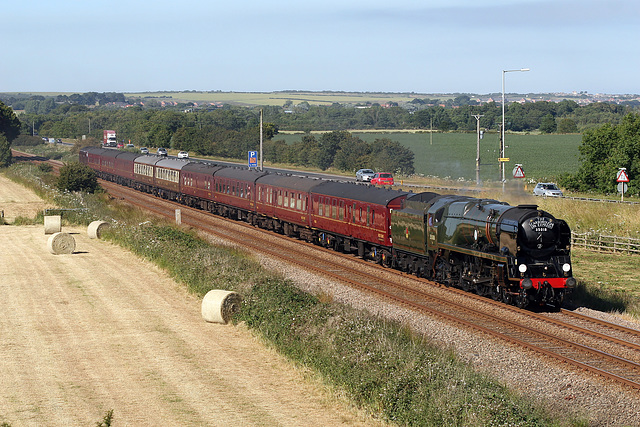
(282, 204)
(355, 217)
(197, 185)
(235, 192)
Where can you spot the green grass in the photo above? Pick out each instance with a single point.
(453, 155)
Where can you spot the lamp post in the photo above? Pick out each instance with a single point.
(477, 117)
(502, 136)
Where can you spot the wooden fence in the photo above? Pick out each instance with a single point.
(604, 243)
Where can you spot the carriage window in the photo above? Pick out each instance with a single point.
(279, 198)
(368, 210)
(354, 213)
(373, 217)
(299, 202)
(320, 206)
(334, 209)
(341, 211)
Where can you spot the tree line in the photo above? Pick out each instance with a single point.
(603, 152)
(610, 141)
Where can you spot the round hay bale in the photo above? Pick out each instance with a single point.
(96, 228)
(218, 305)
(52, 224)
(61, 243)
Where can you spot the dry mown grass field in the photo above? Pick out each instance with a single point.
(102, 330)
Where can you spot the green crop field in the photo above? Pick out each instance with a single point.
(453, 155)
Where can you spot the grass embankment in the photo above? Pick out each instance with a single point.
(378, 364)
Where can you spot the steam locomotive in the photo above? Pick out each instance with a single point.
(516, 254)
(520, 255)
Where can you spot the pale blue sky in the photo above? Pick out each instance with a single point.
(422, 46)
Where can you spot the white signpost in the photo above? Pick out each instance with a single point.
(622, 177)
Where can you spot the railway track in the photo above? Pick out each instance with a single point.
(607, 350)
(601, 348)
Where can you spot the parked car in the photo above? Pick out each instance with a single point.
(144, 150)
(130, 146)
(364, 175)
(547, 189)
(183, 155)
(162, 151)
(382, 178)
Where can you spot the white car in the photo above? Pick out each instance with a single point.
(547, 189)
(364, 175)
(183, 155)
(162, 151)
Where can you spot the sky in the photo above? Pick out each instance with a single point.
(421, 46)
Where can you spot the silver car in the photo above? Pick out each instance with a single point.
(364, 175)
(547, 189)
(162, 151)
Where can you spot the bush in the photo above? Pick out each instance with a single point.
(27, 141)
(77, 177)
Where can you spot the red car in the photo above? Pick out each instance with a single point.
(382, 178)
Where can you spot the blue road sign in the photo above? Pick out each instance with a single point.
(253, 159)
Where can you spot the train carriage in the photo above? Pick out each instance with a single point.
(355, 216)
(282, 204)
(197, 185)
(124, 165)
(167, 178)
(235, 192)
(144, 171)
(92, 157)
(108, 169)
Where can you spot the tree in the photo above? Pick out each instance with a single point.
(567, 126)
(77, 177)
(9, 123)
(603, 151)
(548, 124)
(5, 151)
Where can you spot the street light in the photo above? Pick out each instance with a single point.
(502, 138)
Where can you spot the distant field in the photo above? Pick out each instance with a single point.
(279, 98)
(543, 157)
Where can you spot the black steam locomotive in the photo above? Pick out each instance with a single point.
(516, 254)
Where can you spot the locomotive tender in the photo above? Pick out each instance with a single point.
(520, 255)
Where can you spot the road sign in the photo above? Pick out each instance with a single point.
(622, 187)
(622, 175)
(518, 172)
(253, 159)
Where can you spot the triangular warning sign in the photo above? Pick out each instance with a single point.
(518, 172)
(622, 176)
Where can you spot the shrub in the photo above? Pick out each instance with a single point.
(77, 177)
(27, 141)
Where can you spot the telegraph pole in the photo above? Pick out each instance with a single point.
(477, 116)
(261, 164)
